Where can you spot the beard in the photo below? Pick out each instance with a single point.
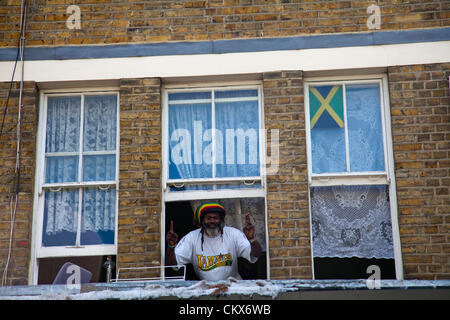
(213, 229)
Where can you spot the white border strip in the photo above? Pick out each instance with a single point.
(232, 63)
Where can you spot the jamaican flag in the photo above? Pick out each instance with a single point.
(326, 107)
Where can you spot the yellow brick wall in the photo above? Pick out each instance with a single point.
(21, 241)
(140, 174)
(287, 189)
(107, 21)
(419, 100)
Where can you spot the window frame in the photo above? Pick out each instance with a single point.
(386, 177)
(38, 250)
(348, 177)
(168, 196)
(221, 193)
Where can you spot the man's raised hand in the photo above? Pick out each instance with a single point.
(171, 237)
(249, 229)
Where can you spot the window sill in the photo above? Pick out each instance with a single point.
(213, 194)
(365, 178)
(65, 251)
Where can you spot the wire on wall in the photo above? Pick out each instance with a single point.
(14, 201)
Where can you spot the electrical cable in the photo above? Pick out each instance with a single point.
(22, 25)
(16, 188)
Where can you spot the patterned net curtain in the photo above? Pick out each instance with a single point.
(62, 158)
(346, 138)
(351, 221)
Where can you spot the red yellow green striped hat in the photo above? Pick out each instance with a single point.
(205, 208)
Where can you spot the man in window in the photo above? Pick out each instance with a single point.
(213, 249)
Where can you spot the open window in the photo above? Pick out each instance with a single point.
(76, 177)
(182, 213)
(213, 147)
(352, 187)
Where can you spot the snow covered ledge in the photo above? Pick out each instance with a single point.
(236, 290)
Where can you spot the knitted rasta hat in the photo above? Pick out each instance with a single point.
(206, 208)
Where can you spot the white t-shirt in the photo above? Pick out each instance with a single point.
(219, 258)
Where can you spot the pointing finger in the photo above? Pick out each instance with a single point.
(171, 225)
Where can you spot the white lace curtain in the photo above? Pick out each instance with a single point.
(62, 160)
(364, 130)
(351, 221)
(61, 208)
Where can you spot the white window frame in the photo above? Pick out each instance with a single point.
(212, 194)
(38, 251)
(345, 178)
(385, 177)
(261, 192)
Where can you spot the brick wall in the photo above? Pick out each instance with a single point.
(140, 173)
(109, 21)
(419, 99)
(287, 190)
(21, 241)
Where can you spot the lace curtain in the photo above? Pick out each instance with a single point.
(365, 137)
(364, 128)
(351, 221)
(236, 144)
(98, 213)
(99, 134)
(61, 207)
(62, 135)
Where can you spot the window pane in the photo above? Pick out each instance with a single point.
(190, 141)
(61, 169)
(351, 221)
(99, 167)
(63, 124)
(364, 127)
(100, 123)
(60, 218)
(327, 129)
(236, 135)
(239, 185)
(98, 216)
(191, 187)
(236, 94)
(62, 135)
(237, 139)
(189, 96)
